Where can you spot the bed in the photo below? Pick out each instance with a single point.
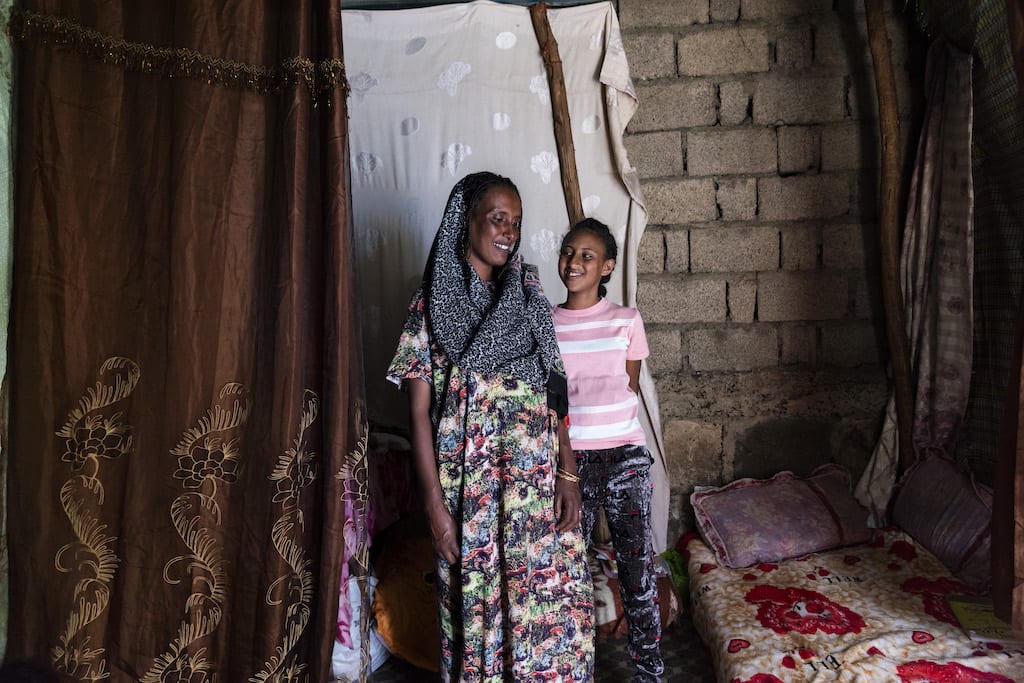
(868, 606)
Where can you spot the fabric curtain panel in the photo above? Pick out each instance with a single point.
(937, 272)
(187, 432)
(1008, 503)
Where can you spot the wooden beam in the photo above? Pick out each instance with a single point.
(560, 111)
(889, 228)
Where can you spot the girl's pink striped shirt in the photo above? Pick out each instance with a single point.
(595, 343)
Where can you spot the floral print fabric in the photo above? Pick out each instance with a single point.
(518, 606)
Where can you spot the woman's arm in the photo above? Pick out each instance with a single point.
(442, 526)
(568, 500)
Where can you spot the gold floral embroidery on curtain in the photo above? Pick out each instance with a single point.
(208, 456)
(321, 78)
(91, 435)
(354, 472)
(295, 470)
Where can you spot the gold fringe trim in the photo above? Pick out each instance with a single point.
(320, 78)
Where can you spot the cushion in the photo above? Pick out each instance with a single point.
(940, 505)
(766, 520)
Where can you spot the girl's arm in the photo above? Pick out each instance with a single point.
(568, 499)
(633, 370)
(442, 526)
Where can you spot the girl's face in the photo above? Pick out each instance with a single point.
(493, 230)
(582, 262)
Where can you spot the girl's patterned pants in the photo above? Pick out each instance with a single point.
(619, 480)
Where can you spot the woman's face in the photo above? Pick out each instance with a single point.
(493, 230)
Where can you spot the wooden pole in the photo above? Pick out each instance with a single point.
(892, 297)
(560, 111)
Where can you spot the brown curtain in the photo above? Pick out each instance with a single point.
(186, 426)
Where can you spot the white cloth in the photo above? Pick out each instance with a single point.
(439, 92)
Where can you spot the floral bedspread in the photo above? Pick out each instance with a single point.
(872, 612)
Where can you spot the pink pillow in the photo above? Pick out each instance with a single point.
(767, 520)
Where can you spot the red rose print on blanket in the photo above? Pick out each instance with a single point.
(796, 609)
(933, 595)
(759, 678)
(737, 644)
(903, 550)
(931, 672)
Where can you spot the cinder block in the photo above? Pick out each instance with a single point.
(718, 51)
(690, 300)
(851, 246)
(725, 10)
(666, 350)
(674, 13)
(680, 201)
(651, 54)
(841, 41)
(731, 152)
(734, 250)
(798, 150)
(666, 106)
(800, 247)
(844, 7)
(799, 100)
(848, 146)
(734, 105)
(782, 9)
(737, 199)
(853, 344)
(862, 98)
(650, 257)
(656, 155)
(784, 296)
(799, 345)
(793, 47)
(799, 197)
(693, 452)
(867, 295)
(864, 194)
(736, 348)
(677, 251)
(741, 296)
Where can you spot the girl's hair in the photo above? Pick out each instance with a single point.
(601, 231)
(476, 186)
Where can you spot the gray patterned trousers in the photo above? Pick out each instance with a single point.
(619, 480)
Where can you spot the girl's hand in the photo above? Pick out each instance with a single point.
(444, 534)
(568, 504)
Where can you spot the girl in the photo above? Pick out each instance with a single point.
(479, 360)
(602, 345)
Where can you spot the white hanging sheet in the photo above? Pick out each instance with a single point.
(440, 92)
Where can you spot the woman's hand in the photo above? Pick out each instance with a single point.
(443, 531)
(444, 534)
(568, 504)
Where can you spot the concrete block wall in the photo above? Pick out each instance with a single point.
(757, 145)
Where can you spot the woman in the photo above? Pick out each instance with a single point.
(479, 360)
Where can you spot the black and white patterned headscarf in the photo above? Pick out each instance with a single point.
(507, 330)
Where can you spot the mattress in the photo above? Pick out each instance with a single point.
(870, 612)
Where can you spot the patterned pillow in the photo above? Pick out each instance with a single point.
(940, 505)
(766, 520)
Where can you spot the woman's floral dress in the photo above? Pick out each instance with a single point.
(518, 604)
